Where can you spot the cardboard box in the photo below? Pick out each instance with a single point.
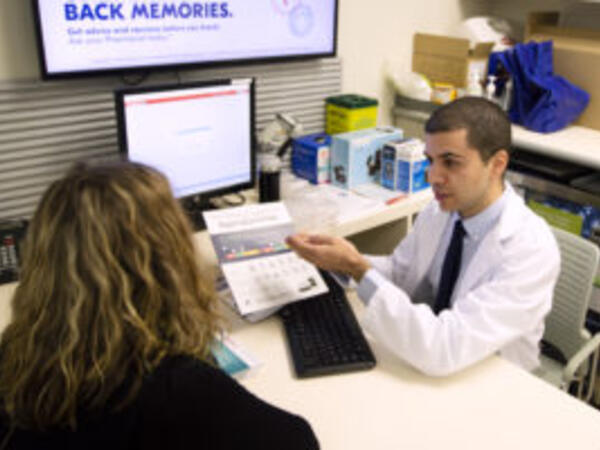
(445, 59)
(356, 155)
(310, 157)
(576, 58)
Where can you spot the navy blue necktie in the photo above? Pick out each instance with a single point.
(450, 269)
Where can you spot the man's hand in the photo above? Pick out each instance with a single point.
(330, 253)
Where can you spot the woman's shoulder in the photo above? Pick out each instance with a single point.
(187, 393)
(182, 376)
(184, 364)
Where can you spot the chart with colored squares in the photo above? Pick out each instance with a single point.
(261, 270)
(237, 246)
(269, 248)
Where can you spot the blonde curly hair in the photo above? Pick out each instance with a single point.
(110, 285)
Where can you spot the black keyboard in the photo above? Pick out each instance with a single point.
(324, 336)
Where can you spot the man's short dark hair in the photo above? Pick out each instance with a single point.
(487, 125)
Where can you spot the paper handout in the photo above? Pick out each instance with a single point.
(261, 270)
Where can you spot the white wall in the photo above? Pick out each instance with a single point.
(18, 52)
(375, 34)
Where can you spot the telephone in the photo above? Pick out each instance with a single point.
(11, 237)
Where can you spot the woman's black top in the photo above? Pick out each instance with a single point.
(183, 404)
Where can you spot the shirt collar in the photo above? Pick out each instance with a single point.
(478, 225)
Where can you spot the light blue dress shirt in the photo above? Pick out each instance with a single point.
(476, 228)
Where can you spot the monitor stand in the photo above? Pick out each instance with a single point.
(194, 206)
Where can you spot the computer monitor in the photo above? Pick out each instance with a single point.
(200, 135)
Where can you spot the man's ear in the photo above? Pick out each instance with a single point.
(499, 162)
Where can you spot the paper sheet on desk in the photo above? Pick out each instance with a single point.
(260, 269)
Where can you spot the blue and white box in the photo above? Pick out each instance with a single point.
(310, 157)
(356, 155)
(404, 165)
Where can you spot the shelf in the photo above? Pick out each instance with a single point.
(575, 144)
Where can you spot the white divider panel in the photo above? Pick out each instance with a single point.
(47, 126)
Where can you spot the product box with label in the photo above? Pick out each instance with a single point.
(404, 165)
(559, 213)
(583, 220)
(445, 59)
(310, 157)
(349, 112)
(576, 58)
(356, 156)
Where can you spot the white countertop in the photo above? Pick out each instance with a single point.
(576, 144)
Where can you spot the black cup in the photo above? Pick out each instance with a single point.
(268, 186)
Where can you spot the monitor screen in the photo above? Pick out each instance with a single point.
(78, 37)
(201, 136)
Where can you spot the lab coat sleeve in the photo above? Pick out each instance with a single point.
(395, 266)
(513, 299)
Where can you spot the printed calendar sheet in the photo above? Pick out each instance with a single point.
(261, 270)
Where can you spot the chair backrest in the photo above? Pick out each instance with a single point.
(579, 262)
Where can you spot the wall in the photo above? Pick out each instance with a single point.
(517, 10)
(377, 34)
(18, 52)
(371, 33)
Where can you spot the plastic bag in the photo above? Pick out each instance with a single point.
(542, 101)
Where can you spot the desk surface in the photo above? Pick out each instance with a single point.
(493, 405)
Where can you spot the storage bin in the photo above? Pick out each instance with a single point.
(350, 112)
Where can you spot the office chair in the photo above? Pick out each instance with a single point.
(569, 352)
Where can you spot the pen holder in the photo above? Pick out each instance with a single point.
(268, 186)
(269, 180)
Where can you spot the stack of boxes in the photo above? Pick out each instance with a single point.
(353, 150)
(344, 113)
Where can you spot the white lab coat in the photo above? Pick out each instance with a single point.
(498, 304)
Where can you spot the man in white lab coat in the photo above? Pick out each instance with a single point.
(476, 274)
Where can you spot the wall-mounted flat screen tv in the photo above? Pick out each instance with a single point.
(85, 37)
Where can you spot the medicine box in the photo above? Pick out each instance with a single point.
(404, 165)
(350, 112)
(310, 157)
(356, 155)
(561, 213)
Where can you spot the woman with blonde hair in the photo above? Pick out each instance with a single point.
(112, 326)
